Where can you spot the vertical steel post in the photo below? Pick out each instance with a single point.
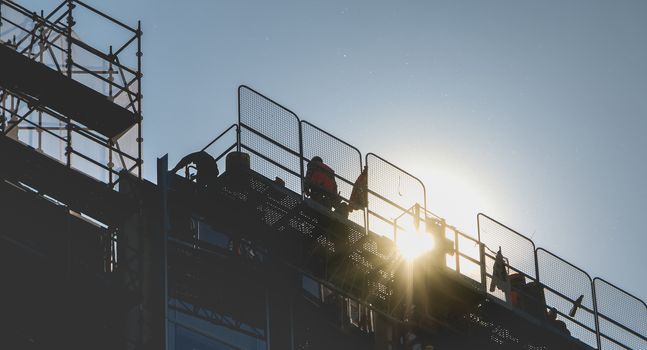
(110, 141)
(483, 268)
(536, 265)
(367, 209)
(139, 100)
(3, 118)
(596, 316)
(301, 161)
(238, 126)
(364, 210)
(68, 126)
(163, 183)
(457, 249)
(41, 50)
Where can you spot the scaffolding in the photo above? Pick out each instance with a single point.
(92, 121)
(72, 130)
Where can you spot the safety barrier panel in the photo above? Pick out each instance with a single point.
(622, 317)
(391, 192)
(563, 284)
(342, 157)
(282, 145)
(605, 316)
(278, 140)
(272, 134)
(518, 250)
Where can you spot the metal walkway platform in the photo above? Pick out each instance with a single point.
(43, 85)
(283, 228)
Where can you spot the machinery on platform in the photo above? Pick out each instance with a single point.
(94, 256)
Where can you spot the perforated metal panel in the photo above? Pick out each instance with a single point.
(270, 133)
(622, 317)
(565, 283)
(392, 191)
(516, 248)
(343, 158)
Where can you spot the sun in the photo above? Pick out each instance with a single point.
(413, 244)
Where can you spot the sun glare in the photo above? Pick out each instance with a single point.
(412, 244)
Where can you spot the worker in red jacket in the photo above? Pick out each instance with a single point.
(320, 184)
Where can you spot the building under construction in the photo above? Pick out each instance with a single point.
(93, 256)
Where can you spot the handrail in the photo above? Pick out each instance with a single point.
(219, 136)
(534, 248)
(594, 311)
(240, 87)
(457, 233)
(613, 321)
(424, 189)
(621, 290)
(269, 160)
(225, 152)
(104, 15)
(268, 139)
(337, 139)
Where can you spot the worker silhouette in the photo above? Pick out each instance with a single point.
(320, 184)
(206, 167)
(551, 315)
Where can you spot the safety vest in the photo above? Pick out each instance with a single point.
(321, 176)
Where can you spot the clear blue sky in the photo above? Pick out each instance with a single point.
(534, 112)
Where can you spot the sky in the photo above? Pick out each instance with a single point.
(533, 112)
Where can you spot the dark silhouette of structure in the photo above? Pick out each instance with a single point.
(206, 167)
(94, 256)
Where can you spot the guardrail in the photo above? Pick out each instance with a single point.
(594, 311)
(604, 317)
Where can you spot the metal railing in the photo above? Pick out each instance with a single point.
(285, 149)
(622, 317)
(621, 322)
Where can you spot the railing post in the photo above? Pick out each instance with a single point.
(457, 249)
(110, 142)
(482, 266)
(536, 265)
(367, 210)
(139, 99)
(595, 316)
(301, 172)
(238, 126)
(68, 127)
